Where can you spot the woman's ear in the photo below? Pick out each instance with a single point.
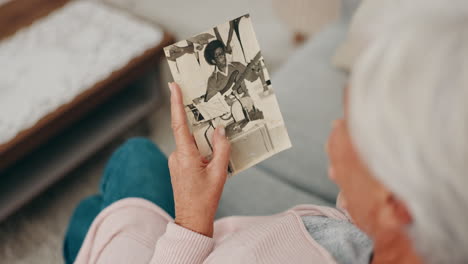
(401, 211)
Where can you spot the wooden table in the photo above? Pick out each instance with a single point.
(63, 139)
(18, 14)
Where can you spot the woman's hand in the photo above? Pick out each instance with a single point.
(197, 182)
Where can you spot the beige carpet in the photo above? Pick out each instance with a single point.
(34, 234)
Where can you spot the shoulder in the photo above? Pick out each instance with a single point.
(276, 231)
(212, 77)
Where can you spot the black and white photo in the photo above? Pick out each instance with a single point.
(224, 81)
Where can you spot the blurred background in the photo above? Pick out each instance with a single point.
(50, 162)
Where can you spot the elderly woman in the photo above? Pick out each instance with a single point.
(398, 155)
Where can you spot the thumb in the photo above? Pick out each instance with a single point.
(221, 151)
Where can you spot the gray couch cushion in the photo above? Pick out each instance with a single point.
(255, 192)
(309, 91)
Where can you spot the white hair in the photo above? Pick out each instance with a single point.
(376, 16)
(408, 117)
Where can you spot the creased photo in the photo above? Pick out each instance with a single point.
(224, 81)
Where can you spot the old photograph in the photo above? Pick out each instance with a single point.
(224, 81)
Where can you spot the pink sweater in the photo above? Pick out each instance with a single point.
(136, 231)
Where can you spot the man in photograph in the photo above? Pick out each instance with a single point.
(226, 73)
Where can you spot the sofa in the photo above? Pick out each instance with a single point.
(310, 94)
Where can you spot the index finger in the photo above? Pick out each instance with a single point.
(180, 128)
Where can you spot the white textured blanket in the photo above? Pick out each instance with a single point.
(60, 56)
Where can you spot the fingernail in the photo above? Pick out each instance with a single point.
(222, 131)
